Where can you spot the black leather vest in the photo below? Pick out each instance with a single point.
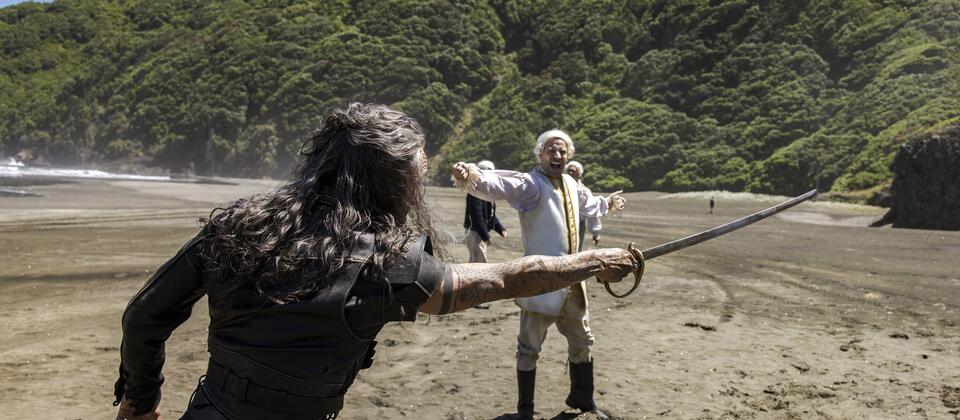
(297, 360)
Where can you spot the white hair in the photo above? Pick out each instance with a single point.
(550, 135)
(486, 165)
(574, 164)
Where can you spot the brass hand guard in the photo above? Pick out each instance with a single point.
(637, 274)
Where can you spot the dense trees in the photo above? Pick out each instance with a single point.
(769, 96)
(229, 87)
(761, 95)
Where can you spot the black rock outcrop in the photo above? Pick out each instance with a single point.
(926, 182)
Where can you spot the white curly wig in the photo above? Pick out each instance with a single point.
(574, 164)
(550, 135)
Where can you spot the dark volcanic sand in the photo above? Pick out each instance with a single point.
(808, 314)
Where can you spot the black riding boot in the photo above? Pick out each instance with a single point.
(581, 389)
(526, 385)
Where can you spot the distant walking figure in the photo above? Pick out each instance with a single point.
(712, 205)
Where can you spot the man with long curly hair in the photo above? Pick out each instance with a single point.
(301, 279)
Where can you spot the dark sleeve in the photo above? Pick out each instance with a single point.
(477, 222)
(163, 303)
(497, 226)
(414, 280)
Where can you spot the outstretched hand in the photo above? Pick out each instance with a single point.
(616, 202)
(460, 171)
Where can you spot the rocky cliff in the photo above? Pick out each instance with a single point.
(926, 183)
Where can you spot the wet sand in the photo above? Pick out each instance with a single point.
(809, 314)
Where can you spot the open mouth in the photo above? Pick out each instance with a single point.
(556, 166)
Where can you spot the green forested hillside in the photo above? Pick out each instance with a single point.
(767, 96)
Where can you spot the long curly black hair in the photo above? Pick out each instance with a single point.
(362, 171)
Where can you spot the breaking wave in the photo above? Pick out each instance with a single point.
(11, 168)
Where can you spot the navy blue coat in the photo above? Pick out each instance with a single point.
(481, 217)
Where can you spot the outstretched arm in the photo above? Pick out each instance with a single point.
(518, 189)
(467, 285)
(597, 206)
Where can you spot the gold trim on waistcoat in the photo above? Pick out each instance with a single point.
(568, 215)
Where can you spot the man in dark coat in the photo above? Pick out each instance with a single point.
(479, 219)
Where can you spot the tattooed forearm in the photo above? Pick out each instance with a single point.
(528, 276)
(448, 282)
(467, 285)
(544, 274)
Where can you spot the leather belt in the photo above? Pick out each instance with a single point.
(272, 399)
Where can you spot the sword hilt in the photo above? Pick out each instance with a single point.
(637, 273)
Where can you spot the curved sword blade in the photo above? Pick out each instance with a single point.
(651, 253)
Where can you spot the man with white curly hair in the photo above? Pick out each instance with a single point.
(549, 203)
(575, 170)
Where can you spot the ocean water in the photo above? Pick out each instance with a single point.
(11, 169)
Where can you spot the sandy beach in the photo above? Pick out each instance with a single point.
(809, 314)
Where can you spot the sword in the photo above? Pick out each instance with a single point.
(664, 249)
